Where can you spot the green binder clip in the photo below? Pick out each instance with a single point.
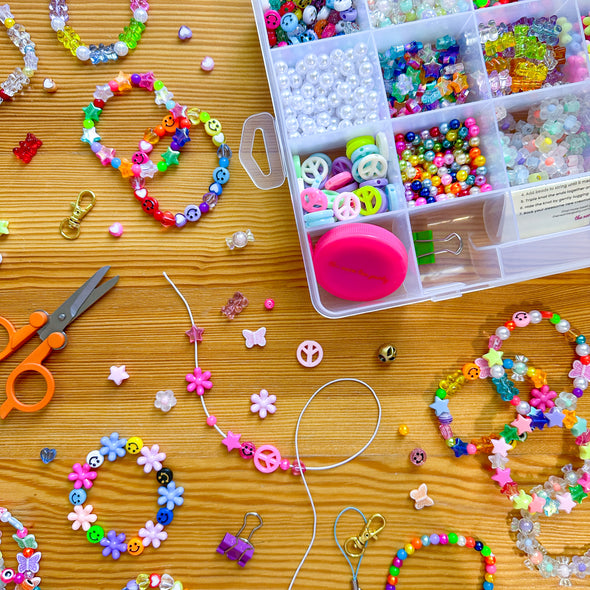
(424, 244)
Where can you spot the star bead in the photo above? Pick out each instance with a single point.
(103, 92)
(147, 81)
(181, 136)
(498, 461)
(578, 493)
(538, 419)
(105, 155)
(118, 374)
(501, 447)
(195, 334)
(584, 481)
(537, 504)
(178, 110)
(509, 433)
(555, 417)
(148, 169)
(494, 357)
(90, 136)
(125, 168)
(91, 112)
(170, 157)
(522, 501)
(502, 477)
(565, 502)
(232, 441)
(570, 418)
(163, 95)
(522, 424)
(579, 427)
(124, 81)
(459, 448)
(440, 406)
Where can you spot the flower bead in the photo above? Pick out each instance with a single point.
(151, 458)
(82, 476)
(170, 496)
(113, 446)
(82, 516)
(198, 381)
(543, 398)
(263, 403)
(165, 400)
(113, 544)
(153, 533)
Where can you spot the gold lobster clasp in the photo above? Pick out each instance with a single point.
(69, 228)
(355, 546)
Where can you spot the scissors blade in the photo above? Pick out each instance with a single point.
(78, 302)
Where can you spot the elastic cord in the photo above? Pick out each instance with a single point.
(355, 572)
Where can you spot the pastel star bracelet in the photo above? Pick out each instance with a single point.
(442, 539)
(528, 529)
(128, 39)
(163, 582)
(83, 476)
(25, 576)
(19, 78)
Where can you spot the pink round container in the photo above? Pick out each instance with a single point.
(360, 262)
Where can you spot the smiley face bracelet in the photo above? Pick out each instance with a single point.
(176, 123)
(83, 475)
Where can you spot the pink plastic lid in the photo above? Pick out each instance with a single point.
(360, 262)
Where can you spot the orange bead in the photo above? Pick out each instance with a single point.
(474, 152)
(159, 130)
(416, 543)
(28, 552)
(510, 325)
(469, 542)
(392, 580)
(471, 371)
(135, 546)
(490, 559)
(169, 124)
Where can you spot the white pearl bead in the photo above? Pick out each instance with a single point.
(461, 541)
(497, 371)
(140, 15)
(121, 48)
(523, 408)
(503, 333)
(562, 326)
(58, 23)
(583, 349)
(581, 383)
(535, 316)
(83, 53)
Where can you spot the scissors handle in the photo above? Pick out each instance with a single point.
(32, 364)
(16, 338)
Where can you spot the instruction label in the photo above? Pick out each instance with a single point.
(552, 208)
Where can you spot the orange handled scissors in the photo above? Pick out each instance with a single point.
(50, 328)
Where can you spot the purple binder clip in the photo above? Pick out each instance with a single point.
(237, 548)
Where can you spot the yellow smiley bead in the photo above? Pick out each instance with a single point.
(134, 445)
(212, 127)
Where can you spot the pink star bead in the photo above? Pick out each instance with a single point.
(105, 155)
(147, 81)
(522, 424)
(584, 481)
(501, 447)
(178, 110)
(232, 441)
(537, 504)
(565, 502)
(502, 477)
(195, 334)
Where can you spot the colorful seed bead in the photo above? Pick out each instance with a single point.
(101, 53)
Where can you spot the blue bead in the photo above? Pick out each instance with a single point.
(581, 339)
(164, 516)
(216, 188)
(170, 104)
(488, 586)
(425, 192)
(47, 455)
(416, 185)
(221, 175)
(410, 136)
(431, 200)
(455, 124)
(224, 162)
(78, 497)
(425, 540)
(115, 163)
(478, 546)
(507, 363)
(401, 554)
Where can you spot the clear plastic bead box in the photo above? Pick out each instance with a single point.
(510, 234)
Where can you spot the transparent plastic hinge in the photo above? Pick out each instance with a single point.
(264, 122)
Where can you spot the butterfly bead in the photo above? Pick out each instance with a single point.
(253, 338)
(421, 497)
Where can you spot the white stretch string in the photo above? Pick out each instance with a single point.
(320, 468)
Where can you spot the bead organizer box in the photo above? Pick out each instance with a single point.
(330, 91)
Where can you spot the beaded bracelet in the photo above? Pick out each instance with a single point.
(128, 39)
(528, 528)
(83, 476)
(163, 582)
(442, 539)
(18, 79)
(25, 577)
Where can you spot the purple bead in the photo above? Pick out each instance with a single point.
(341, 164)
(397, 562)
(204, 207)
(389, 587)
(180, 220)
(349, 15)
(578, 392)
(582, 567)
(96, 146)
(174, 146)
(376, 182)
(434, 539)
(348, 188)
(135, 79)
(184, 33)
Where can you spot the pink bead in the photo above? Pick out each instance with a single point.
(116, 230)
(495, 342)
(438, 161)
(19, 578)
(285, 464)
(114, 85)
(22, 533)
(207, 64)
(521, 318)
(211, 420)
(444, 539)
(445, 431)
(536, 558)
(446, 179)
(397, 562)
(485, 188)
(420, 201)
(269, 303)
(448, 159)
(491, 569)
(473, 131)
(136, 169)
(470, 122)
(471, 449)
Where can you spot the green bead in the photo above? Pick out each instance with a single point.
(158, 85)
(486, 551)
(441, 393)
(555, 319)
(162, 166)
(88, 124)
(394, 571)
(95, 534)
(453, 538)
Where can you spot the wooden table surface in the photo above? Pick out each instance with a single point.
(141, 324)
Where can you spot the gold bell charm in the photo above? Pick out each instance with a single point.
(387, 353)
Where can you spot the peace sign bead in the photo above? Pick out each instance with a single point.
(346, 206)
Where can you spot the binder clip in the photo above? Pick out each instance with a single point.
(237, 548)
(424, 244)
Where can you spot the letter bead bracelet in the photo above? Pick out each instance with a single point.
(24, 577)
(83, 475)
(128, 39)
(19, 78)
